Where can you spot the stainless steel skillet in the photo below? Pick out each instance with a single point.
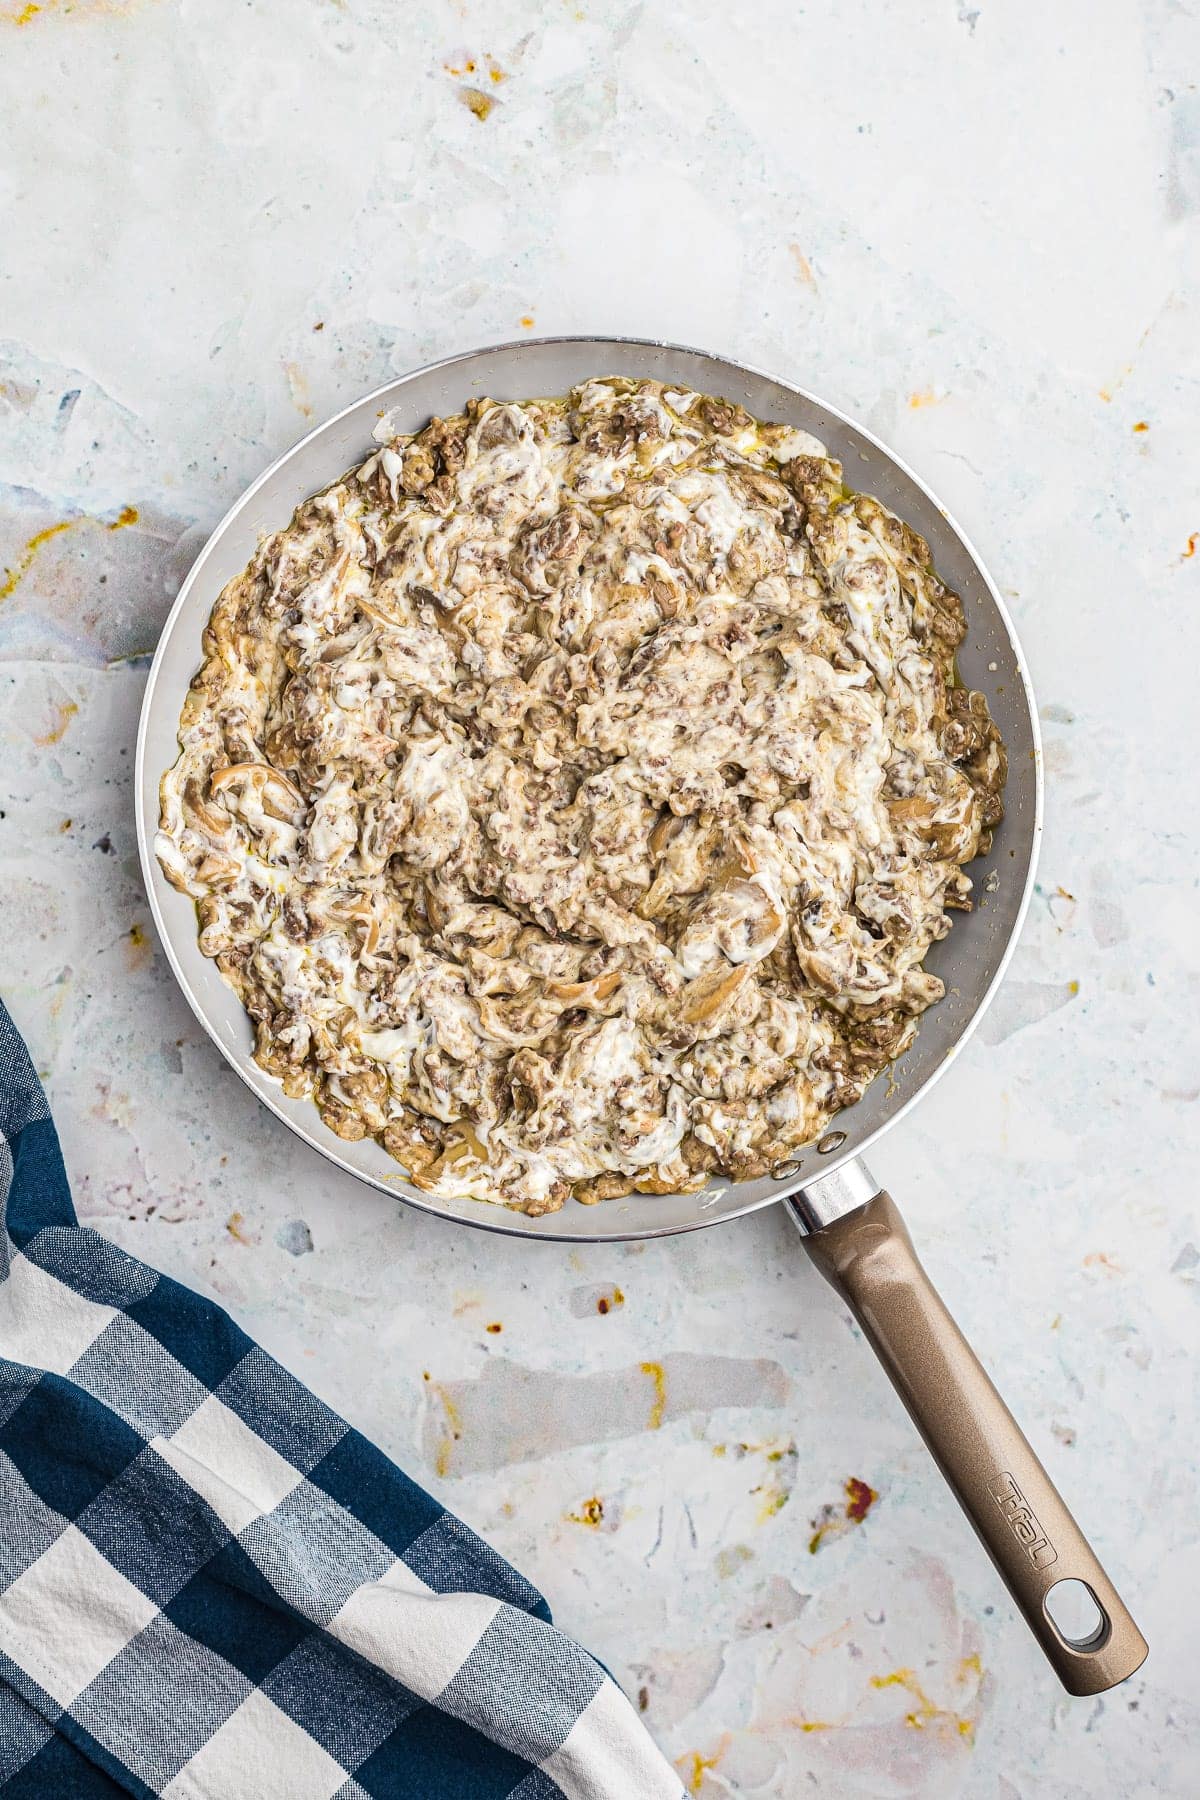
(852, 1230)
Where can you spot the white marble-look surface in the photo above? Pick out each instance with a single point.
(974, 227)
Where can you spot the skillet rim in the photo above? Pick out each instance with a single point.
(504, 1221)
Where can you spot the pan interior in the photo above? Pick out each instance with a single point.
(969, 961)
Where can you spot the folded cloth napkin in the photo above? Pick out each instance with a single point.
(210, 1586)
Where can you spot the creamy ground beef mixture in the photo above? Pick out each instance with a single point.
(573, 791)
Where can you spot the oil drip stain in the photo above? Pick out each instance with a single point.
(67, 710)
(804, 268)
(138, 948)
(25, 562)
(451, 1433)
(17, 572)
(298, 388)
(658, 1376)
(927, 1713)
(695, 1766)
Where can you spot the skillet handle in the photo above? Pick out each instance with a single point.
(867, 1256)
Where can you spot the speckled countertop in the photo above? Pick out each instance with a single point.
(973, 226)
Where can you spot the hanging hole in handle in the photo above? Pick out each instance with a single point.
(1076, 1614)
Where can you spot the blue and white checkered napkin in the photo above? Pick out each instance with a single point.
(210, 1586)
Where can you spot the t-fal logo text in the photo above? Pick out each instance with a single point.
(1021, 1521)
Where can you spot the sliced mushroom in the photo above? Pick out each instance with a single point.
(706, 998)
(461, 1146)
(214, 821)
(610, 1186)
(218, 870)
(363, 911)
(262, 777)
(587, 994)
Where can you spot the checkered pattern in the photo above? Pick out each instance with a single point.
(212, 1588)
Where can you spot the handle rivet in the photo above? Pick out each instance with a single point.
(833, 1140)
(783, 1170)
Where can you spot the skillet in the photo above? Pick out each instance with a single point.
(852, 1230)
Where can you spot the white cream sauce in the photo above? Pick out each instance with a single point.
(566, 794)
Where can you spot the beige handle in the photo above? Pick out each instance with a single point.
(868, 1257)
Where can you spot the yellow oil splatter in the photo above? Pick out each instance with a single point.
(1142, 425)
(452, 1432)
(1072, 988)
(235, 1226)
(657, 1374)
(495, 1327)
(1108, 393)
(803, 267)
(1099, 1259)
(694, 1766)
(25, 14)
(527, 322)
(729, 1561)
(926, 1711)
(1189, 552)
(66, 825)
(470, 66)
(924, 397)
(476, 101)
(298, 388)
(774, 1498)
(25, 561)
(591, 1513)
(607, 1302)
(138, 948)
(65, 713)
(128, 515)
